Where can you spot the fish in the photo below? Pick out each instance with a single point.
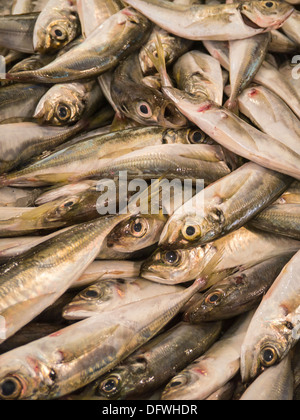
(238, 293)
(17, 197)
(113, 294)
(112, 41)
(224, 206)
(274, 384)
(84, 160)
(291, 195)
(17, 32)
(24, 140)
(225, 393)
(68, 103)
(240, 249)
(20, 100)
(139, 102)
(282, 219)
(218, 22)
(274, 329)
(271, 115)
(57, 25)
(46, 284)
(246, 58)
(292, 26)
(213, 369)
(173, 47)
(33, 62)
(280, 43)
(20, 7)
(77, 355)
(199, 74)
(141, 373)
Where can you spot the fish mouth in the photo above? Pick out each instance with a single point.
(249, 22)
(171, 117)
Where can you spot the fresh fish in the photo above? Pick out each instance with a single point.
(19, 100)
(238, 293)
(224, 206)
(141, 373)
(47, 271)
(116, 38)
(173, 47)
(280, 43)
(17, 32)
(275, 327)
(112, 294)
(225, 393)
(68, 103)
(33, 62)
(275, 384)
(142, 103)
(16, 197)
(246, 58)
(241, 249)
(21, 141)
(292, 27)
(77, 355)
(214, 369)
(283, 219)
(271, 115)
(221, 22)
(57, 25)
(199, 74)
(84, 160)
(93, 13)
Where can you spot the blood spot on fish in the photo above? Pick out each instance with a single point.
(56, 334)
(201, 371)
(239, 280)
(204, 108)
(253, 92)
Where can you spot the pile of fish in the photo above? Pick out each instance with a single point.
(199, 300)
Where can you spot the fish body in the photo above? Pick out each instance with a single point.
(17, 32)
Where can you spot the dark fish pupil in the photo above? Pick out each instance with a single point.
(8, 388)
(62, 112)
(213, 298)
(110, 385)
(190, 231)
(58, 32)
(197, 136)
(268, 355)
(269, 4)
(171, 257)
(175, 383)
(144, 109)
(91, 293)
(137, 227)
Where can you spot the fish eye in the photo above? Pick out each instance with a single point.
(268, 356)
(10, 388)
(171, 257)
(110, 385)
(177, 381)
(269, 4)
(190, 233)
(59, 34)
(91, 294)
(144, 110)
(63, 112)
(196, 136)
(139, 228)
(214, 298)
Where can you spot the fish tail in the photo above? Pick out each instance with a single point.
(160, 62)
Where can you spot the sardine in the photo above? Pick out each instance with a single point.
(79, 354)
(141, 373)
(57, 25)
(68, 103)
(275, 384)
(223, 207)
(275, 327)
(283, 219)
(221, 22)
(241, 249)
(116, 38)
(212, 370)
(17, 32)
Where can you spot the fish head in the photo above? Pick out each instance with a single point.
(173, 266)
(57, 33)
(22, 378)
(264, 347)
(88, 301)
(61, 105)
(265, 14)
(136, 233)
(62, 210)
(206, 307)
